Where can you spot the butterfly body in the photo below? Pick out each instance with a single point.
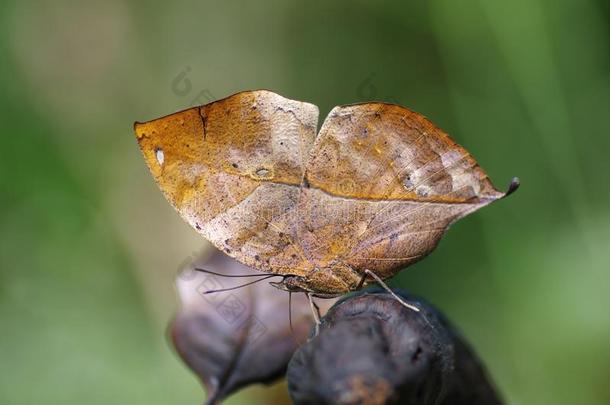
(374, 190)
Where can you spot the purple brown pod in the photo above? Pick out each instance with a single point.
(231, 339)
(373, 350)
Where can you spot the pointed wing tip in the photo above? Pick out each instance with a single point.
(499, 195)
(513, 186)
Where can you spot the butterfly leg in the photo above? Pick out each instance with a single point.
(316, 312)
(388, 289)
(362, 280)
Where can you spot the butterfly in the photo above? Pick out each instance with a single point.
(331, 211)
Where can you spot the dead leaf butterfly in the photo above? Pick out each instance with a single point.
(369, 194)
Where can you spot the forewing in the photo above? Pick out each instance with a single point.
(232, 169)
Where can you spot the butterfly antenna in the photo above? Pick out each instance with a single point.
(240, 286)
(388, 289)
(230, 275)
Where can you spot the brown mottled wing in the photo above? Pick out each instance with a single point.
(232, 169)
(392, 183)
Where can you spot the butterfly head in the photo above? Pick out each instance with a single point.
(291, 283)
(326, 282)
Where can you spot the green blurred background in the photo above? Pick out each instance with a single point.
(89, 247)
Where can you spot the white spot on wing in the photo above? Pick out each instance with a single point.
(160, 156)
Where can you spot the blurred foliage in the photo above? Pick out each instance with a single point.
(89, 247)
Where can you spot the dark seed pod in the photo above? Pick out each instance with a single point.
(231, 339)
(372, 350)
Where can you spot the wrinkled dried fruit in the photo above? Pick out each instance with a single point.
(373, 350)
(376, 189)
(234, 338)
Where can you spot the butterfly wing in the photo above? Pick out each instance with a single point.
(232, 169)
(380, 186)
(395, 182)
